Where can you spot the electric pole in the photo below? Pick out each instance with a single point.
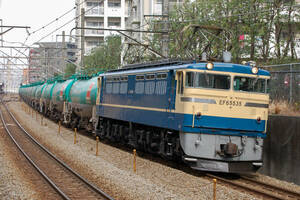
(165, 36)
(63, 51)
(82, 38)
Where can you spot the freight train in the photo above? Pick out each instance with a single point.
(211, 115)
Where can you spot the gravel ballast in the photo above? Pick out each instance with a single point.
(13, 185)
(112, 169)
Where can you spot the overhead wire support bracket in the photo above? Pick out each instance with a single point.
(12, 27)
(125, 30)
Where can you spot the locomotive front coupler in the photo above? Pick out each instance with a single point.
(229, 149)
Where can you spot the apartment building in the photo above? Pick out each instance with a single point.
(141, 11)
(140, 15)
(49, 59)
(108, 14)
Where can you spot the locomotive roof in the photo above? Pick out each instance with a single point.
(218, 66)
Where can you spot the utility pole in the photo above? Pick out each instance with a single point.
(1, 31)
(165, 36)
(63, 51)
(82, 38)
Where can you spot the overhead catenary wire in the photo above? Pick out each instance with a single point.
(68, 22)
(54, 20)
(48, 24)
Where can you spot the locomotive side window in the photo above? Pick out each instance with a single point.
(161, 76)
(150, 77)
(204, 80)
(140, 77)
(109, 79)
(249, 84)
(124, 78)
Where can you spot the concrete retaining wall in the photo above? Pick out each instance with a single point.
(282, 149)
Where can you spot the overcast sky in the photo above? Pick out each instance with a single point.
(35, 13)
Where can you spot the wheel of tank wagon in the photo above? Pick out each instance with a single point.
(67, 120)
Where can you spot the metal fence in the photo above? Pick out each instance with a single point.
(285, 82)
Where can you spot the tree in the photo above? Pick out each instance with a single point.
(106, 56)
(250, 29)
(70, 70)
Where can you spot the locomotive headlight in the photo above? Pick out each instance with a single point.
(209, 66)
(254, 70)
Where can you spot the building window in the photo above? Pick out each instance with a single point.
(94, 24)
(94, 8)
(94, 4)
(114, 22)
(114, 3)
(93, 43)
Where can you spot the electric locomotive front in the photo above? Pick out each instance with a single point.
(225, 108)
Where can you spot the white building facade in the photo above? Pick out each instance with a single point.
(105, 14)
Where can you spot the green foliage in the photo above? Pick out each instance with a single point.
(106, 56)
(215, 26)
(70, 70)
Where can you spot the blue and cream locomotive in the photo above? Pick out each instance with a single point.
(211, 115)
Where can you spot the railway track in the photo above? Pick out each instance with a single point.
(262, 189)
(66, 182)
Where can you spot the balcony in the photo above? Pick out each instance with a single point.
(95, 12)
(114, 11)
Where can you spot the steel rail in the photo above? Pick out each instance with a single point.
(92, 186)
(53, 185)
(249, 187)
(280, 189)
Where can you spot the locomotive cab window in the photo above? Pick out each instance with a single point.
(249, 84)
(205, 80)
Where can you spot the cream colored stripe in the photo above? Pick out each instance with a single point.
(137, 107)
(234, 114)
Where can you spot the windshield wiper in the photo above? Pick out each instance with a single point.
(206, 78)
